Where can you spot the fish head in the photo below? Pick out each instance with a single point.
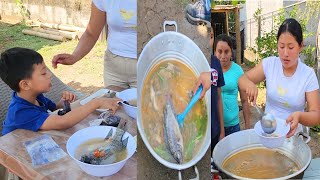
(178, 156)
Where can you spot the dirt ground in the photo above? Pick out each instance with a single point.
(151, 15)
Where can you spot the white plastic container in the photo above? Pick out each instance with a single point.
(128, 95)
(98, 132)
(273, 141)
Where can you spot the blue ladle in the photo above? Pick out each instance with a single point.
(193, 101)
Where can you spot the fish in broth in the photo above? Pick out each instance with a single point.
(105, 151)
(172, 77)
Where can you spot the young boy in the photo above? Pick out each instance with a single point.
(25, 72)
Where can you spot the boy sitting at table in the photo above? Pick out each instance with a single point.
(25, 72)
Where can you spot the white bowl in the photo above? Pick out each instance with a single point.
(272, 141)
(98, 132)
(127, 95)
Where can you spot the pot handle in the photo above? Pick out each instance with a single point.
(304, 135)
(179, 175)
(196, 171)
(169, 23)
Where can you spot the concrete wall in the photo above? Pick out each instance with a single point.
(251, 26)
(75, 12)
(251, 32)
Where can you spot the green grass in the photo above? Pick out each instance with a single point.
(12, 36)
(86, 75)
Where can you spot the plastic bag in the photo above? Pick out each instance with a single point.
(43, 150)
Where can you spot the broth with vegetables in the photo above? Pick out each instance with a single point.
(260, 163)
(95, 143)
(178, 80)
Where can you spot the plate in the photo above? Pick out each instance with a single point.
(97, 94)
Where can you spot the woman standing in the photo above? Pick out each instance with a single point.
(121, 54)
(290, 83)
(231, 73)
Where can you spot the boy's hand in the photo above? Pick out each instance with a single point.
(68, 96)
(109, 103)
(205, 80)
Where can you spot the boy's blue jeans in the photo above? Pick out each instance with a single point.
(231, 129)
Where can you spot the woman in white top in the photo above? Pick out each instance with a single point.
(121, 54)
(290, 83)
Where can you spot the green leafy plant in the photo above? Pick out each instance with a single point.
(267, 43)
(316, 128)
(25, 13)
(223, 2)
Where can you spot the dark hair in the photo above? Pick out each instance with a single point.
(224, 38)
(293, 27)
(16, 64)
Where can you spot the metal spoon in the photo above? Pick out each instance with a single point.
(267, 120)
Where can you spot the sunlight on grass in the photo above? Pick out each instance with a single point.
(86, 75)
(12, 36)
(86, 72)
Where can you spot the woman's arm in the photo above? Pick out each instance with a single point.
(220, 113)
(310, 118)
(87, 40)
(245, 108)
(248, 81)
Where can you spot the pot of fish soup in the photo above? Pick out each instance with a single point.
(168, 68)
(242, 156)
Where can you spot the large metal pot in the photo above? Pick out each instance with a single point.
(172, 45)
(294, 148)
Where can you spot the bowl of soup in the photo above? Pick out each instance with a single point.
(276, 138)
(242, 156)
(91, 138)
(129, 97)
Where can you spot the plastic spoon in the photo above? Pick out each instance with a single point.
(193, 101)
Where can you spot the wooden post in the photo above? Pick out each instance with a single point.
(227, 23)
(238, 39)
(68, 36)
(318, 51)
(61, 26)
(44, 35)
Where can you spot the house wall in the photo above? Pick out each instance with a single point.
(74, 12)
(248, 21)
(251, 26)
